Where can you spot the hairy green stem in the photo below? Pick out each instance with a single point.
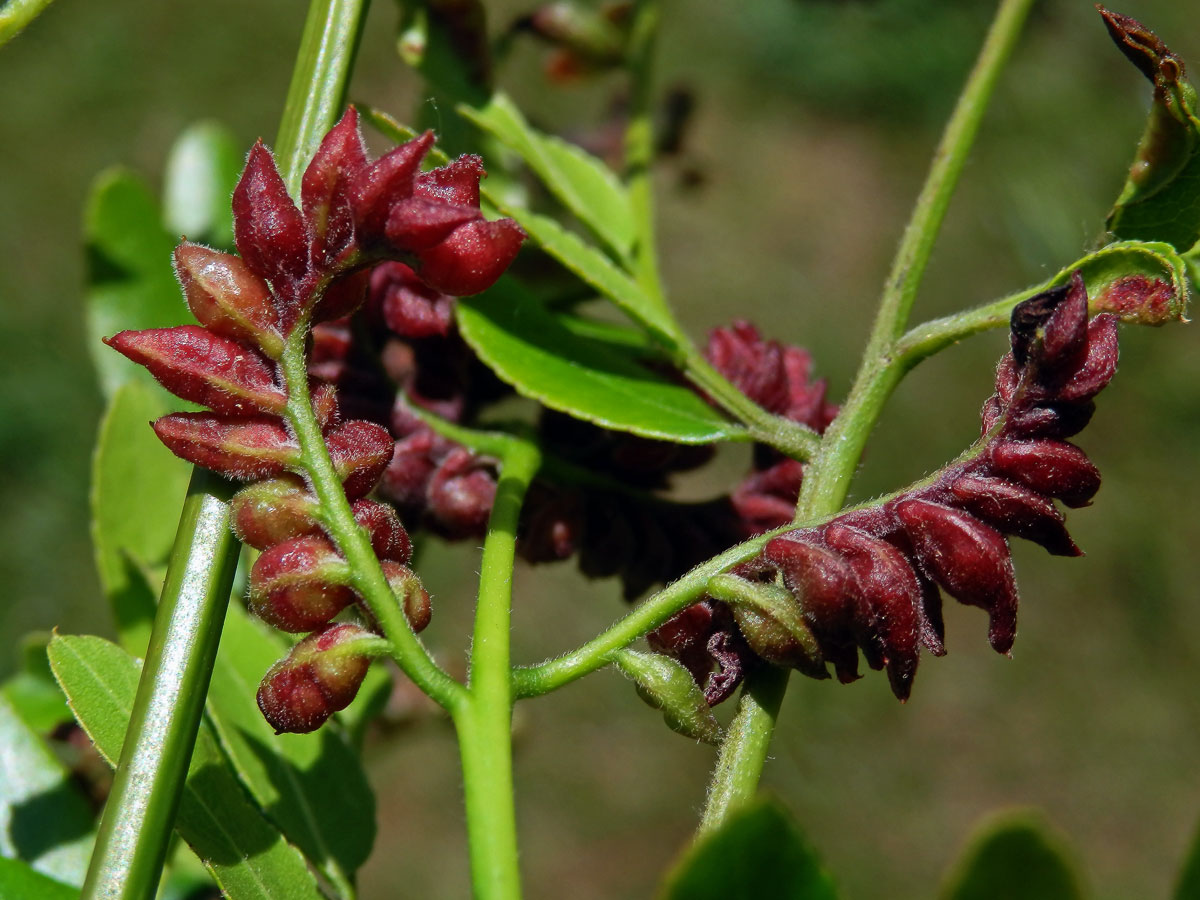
(351, 539)
(484, 721)
(139, 816)
(827, 481)
(324, 63)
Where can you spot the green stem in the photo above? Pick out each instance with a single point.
(484, 721)
(639, 145)
(139, 816)
(744, 750)
(16, 15)
(932, 337)
(827, 481)
(324, 63)
(351, 539)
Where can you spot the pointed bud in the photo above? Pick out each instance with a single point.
(193, 363)
(320, 676)
(268, 229)
(299, 585)
(1064, 336)
(376, 188)
(324, 404)
(226, 297)
(241, 447)
(410, 592)
(418, 223)
(343, 296)
(270, 512)
(456, 183)
(668, 686)
(360, 451)
(1056, 468)
(889, 603)
(410, 307)
(472, 257)
(325, 190)
(1100, 364)
(1058, 420)
(1015, 509)
(969, 559)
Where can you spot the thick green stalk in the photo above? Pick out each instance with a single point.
(139, 816)
(366, 575)
(827, 481)
(321, 75)
(484, 721)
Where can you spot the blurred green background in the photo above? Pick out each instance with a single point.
(814, 125)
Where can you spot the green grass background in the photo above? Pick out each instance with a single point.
(814, 128)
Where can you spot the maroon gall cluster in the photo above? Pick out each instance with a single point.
(869, 579)
(298, 265)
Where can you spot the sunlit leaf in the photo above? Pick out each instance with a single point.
(757, 853)
(44, 820)
(202, 169)
(600, 381)
(1014, 854)
(245, 853)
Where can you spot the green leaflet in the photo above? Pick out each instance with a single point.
(758, 853)
(311, 785)
(19, 881)
(44, 820)
(245, 853)
(138, 487)
(1013, 854)
(580, 181)
(590, 378)
(32, 691)
(201, 173)
(1161, 197)
(130, 283)
(666, 685)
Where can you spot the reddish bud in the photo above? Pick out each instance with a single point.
(418, 223)
(889, 599)
(324, 404)
(1065, 334)
(1100, 364)
(241, 447)
(315, 680)
(270, 512)
(324, 191)
(377, 188)
(299, 585)
(1056, 468)
(360, 451)
(456, 183)
(410, 592)
(193, 363)
(461, 493)
(472, 257)
(343, 296)
(267, 227)
(388, 538)
(1015, 510)
(969, 559)
(410, 307)
(226, 297)
(1136, 298)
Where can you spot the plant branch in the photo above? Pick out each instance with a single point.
(484, 722)
(352, 541)
(139, 816)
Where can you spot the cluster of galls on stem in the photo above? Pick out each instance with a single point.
(300, 265)
(869, 579)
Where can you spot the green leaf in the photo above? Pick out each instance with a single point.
(19, 881)
(1144, 283)
(1013, 854)
(130, 280)
(311, 785)
(759, 852)
(666, 685)
(581, 182)
(592, 379)
(44, 820)
(201, 173)
(1188, 886)
(138, 486)
(32, 691)
(1161, 198)
(246, 854)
